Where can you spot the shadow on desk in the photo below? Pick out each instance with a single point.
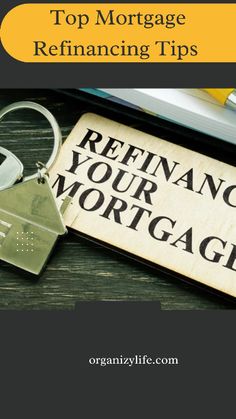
(79, 270)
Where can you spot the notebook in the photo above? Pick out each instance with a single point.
(192, 108)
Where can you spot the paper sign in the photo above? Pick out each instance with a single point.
(156, 200)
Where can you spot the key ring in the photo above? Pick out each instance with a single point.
(42, 168)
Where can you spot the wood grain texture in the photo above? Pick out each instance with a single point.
(79, 270)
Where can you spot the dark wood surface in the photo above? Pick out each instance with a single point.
(79, 270)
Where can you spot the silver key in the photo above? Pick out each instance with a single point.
(28, 210)
(11, 169)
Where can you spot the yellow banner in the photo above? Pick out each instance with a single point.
(120, 32)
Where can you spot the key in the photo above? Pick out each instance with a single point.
(30, 221)
(11, 169)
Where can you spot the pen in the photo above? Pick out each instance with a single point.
(226, 97)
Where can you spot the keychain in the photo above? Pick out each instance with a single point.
(30, 221)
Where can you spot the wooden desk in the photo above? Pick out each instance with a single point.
(79, 270)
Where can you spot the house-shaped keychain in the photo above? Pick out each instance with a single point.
(30, 224)
(30, 221)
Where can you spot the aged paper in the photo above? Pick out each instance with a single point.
(159, 201)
